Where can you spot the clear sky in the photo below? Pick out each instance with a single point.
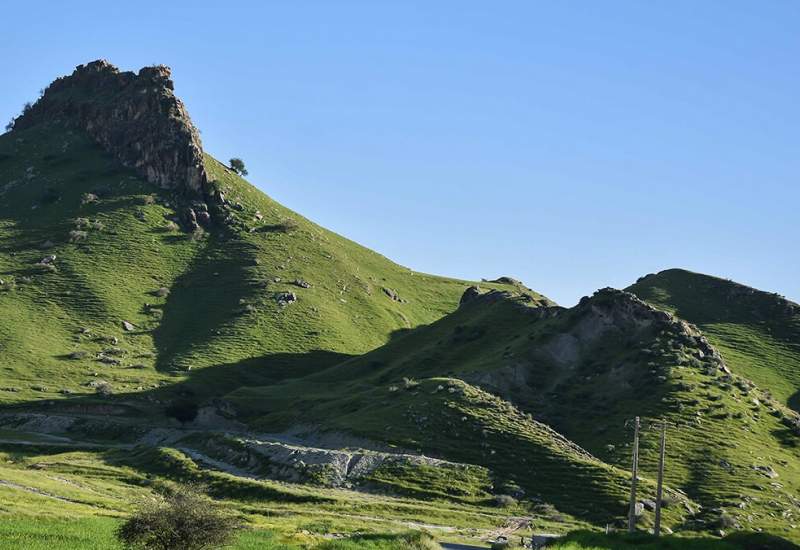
(573, 145)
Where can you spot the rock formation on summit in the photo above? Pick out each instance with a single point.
(135, 117)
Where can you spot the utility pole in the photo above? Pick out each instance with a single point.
(660, 487)
(634, 474)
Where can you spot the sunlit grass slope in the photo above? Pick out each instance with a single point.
(757, 332)
(195, 300)
(472, 386)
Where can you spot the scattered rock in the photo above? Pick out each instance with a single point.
(301, 283)
(128, 326)
(285, 298)
(393, 295)
(767, 471)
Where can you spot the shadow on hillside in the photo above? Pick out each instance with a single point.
(794, 401)
(201, 386)
(208, 296)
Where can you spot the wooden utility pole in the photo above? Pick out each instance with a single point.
(660, 486)
(634, 474)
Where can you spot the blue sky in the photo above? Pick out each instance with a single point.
(573, 145)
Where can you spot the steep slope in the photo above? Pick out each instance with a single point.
(586, 372)
(757, 332)
(221, 277)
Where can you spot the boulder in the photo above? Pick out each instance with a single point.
(767, 471)
(393, 295)
(301, 283)
(285, 298)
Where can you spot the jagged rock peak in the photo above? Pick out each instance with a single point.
(135, 117)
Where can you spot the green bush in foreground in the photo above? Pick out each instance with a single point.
(184, 519)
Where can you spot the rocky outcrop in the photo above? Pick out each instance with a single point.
(135, 117)
(612, 309)
(469, 295)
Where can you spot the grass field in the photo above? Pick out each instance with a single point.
(98, 534)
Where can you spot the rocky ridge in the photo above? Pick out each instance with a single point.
(136, 117)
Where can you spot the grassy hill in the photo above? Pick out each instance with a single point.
(757, 332)
(490, 372)
(194, 300)
(330, 389)
(112, 312)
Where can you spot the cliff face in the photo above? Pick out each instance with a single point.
(135, 117)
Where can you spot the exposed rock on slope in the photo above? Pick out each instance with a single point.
(135, 117)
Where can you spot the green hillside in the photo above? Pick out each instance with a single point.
(208, 299)
(758, 333)
(585, 372)
(157, 332)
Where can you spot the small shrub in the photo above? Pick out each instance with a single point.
(504, 501)
(287, 226)
(726, 521)
(237, 165)
(184, 519)
(668, 500)
(162, 292)
(88, 198)
(77, 236)
(182, 410)
(103, 388)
